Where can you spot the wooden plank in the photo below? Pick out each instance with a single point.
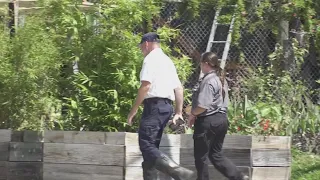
(186, 140)
(32, 136)
(237, 142)
(84, 137)
(53, 136)
(23, 11)
(4, 151)
(5, 135)
(25, 171)
(231, 141)
(116, 138)
(22, 151)
(81, 172)
(3, 170)
(271, 157)
(134, 156)
(74, 137)
(271, 173)
(168, 140)
(271, 142)
(17, 136)
(111, 155)
(27, 3)
(131, 139)
(134, 173)
(240, 157)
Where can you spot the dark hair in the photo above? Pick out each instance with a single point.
(212, 60)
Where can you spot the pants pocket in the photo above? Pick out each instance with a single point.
(148, 134)
(200, 147)
(164, 114)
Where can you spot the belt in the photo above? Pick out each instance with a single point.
(156, 100)
(221, 111)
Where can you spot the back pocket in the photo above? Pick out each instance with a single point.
(164, 109)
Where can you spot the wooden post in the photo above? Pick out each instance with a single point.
(13, 16)
(288, 58)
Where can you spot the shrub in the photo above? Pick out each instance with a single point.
(42, 89)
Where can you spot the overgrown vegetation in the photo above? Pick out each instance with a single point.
(274, 99)
(305, 166)
(262, 12)
(28, 76)
(39, 88)
(276, 102)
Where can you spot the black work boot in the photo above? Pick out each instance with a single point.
(168, 166)
(149, 171)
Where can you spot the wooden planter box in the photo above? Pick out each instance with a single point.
(71, 155)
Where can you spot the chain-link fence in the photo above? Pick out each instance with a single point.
(252, 51)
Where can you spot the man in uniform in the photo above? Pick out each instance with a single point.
(160, 86)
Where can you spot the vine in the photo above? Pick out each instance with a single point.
(267, 12)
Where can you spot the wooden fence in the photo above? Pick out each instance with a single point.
(70, 155)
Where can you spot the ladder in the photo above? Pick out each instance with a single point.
(211, 40)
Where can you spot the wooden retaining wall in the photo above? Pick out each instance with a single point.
(70, 155)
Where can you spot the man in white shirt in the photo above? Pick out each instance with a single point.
(160, 86)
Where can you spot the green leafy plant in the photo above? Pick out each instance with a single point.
(305, 165)
(264, 118)
(39, 87)
(269, 14)
(278, 97)
(29, 74)
(104, 90)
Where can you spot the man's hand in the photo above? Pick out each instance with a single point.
(191, 120)
(132, 113)
(143, 90)
(176, 117)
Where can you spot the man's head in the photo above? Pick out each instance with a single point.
(149, 41)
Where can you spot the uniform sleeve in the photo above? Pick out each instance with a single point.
(206, 96)
(146, 73)
(176, 80)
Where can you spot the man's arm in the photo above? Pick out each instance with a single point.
(178, 92)
(146, 79)
(142, 92)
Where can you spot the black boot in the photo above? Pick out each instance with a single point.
(149, 171)
(168, 166)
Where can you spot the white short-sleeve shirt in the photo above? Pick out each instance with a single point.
(159, 70)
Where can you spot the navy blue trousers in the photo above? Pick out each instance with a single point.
(156, 114)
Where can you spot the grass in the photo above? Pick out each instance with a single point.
(305, 166)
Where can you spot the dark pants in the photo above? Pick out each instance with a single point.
(209, 134)
(155, 116)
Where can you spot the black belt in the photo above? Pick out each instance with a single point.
(156, 100)
(221, 111)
